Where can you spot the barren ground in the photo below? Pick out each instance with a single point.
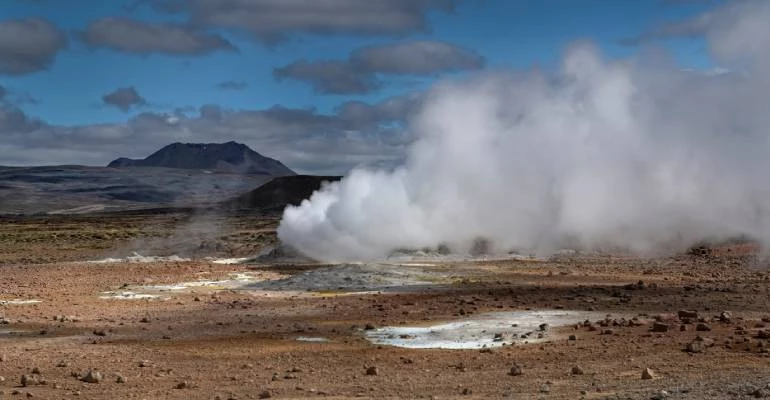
(208, 342)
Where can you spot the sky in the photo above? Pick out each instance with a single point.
(323, 86)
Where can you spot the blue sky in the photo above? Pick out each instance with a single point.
(70, 90)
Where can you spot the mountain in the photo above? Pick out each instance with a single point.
(280, 192)
(230, 157)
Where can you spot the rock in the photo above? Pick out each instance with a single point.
(467, 392)
(576, 370)
(120, 379)
(572, 337)
(61, 364)
(696, 346)
(759, 393)
(100, 332)
(92, 376)
(372, 371)
(182, 385)
(659, 327)
(608, 332)
(265, 395)
(36, 371)
(515, 370)
(543, 327)
(29, 380)
(648, 374)
(662, 395)
(702, 327)
(545, 389)
(687, 314)
(726, 317)
(369, 327)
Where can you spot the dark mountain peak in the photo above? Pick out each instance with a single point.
(224, 157)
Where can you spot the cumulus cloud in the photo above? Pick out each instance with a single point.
(273, 20)
(304, 139)
(633, 154)
(140, 37)
(124, 98)
(362, 71)
(329, 76)
(29, 45)
(232, 85)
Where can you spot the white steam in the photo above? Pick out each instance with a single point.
(636, 154)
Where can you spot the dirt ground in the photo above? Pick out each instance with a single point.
(231, 343)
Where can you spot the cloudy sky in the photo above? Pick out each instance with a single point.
(321, 85)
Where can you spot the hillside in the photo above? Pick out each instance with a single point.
(280, 192)
(229, 157)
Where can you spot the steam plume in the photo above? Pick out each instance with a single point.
(636, 153)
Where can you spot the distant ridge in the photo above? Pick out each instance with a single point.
(230, 157)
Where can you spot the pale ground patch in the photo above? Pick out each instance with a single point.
(486, 330)
(19, 301)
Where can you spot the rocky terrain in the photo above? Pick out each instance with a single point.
(692, 326)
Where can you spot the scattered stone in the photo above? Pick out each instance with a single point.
(144, 363)
(543, 327)
(36, 370)
(515, 370)
(265, 395)
(726, 317)
(92, 376)
(2, 379)
(197, 298)
(572, 337)
(100, 332)
(545, 389)
(682, 328)
(182, 385)
(696, 346)
(759, 393)
(576, 370)
(120, 379)
(29, 380)
(372, 371)
(688, 314)
(659, 327)
(61, 364)
(369, 327)
(702, 327)
(648, 374)
(608, 332)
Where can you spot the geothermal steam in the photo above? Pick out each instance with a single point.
(636, 154)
